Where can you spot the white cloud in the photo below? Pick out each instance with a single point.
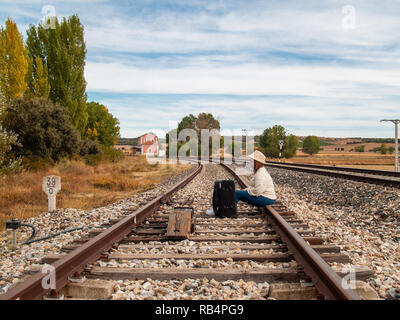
(247, 28)
(299, 115)
(251, 79)
(311, 72)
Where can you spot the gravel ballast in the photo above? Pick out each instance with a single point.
(364, 219)
(13, 261)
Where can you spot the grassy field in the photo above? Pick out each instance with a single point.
(83, 186)
(350, 159)
(347, 157)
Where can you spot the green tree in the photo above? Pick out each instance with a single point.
(290, 146)
(270, 142)
(187, 122)
(8, 163)
(391, 149)
(38, 79)
(311, 145)
(207, 121)
(63, 51)
(383, 148)
(202, 121)
(13, 61)
(101, 124)
(43, 129)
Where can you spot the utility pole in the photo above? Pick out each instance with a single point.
(396, 142)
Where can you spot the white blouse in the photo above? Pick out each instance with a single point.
(261, 184)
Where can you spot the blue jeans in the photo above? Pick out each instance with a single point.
(259, 201)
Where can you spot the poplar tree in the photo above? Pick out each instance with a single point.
(38, 78)
(63, 51)
(13, 61)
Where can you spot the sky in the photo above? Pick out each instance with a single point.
(327, 68)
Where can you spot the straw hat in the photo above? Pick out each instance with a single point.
(258, 156)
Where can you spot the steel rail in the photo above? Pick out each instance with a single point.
(327, 282)
(335, 168)
(77, 260)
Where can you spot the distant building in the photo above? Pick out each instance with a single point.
(126, 149)
(136, 150)
(148, 144)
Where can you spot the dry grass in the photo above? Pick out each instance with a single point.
(350, 159)
(83, 186)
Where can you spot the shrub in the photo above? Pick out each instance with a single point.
(383, 148)
(359, 149)
(37, 163)
(112, 154)
(93, 159)
(89, 147)
(43, 129)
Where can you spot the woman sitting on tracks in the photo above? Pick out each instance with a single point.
(261, 191)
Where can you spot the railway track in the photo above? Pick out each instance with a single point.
(346, 169)
(380, 177)
(170, 248)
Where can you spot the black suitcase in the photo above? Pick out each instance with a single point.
(224, 202)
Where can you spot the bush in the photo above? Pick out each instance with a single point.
(94, 153)
(37, 163)
(359, 149)
(89, 147)
(383, 148)
(43, 129)
(112, 154)
(93, 159)
(91, 152)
